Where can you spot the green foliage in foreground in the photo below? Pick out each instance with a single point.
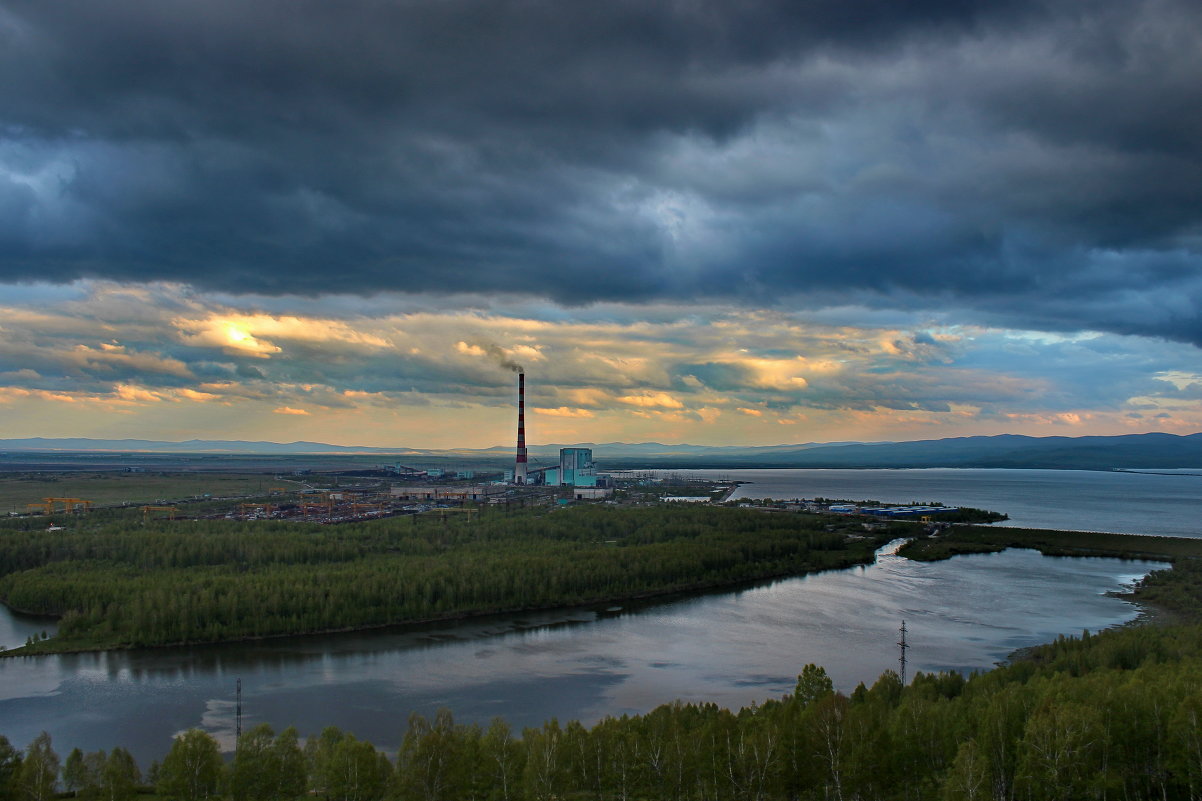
(981, 539)
(1178, 590)
(123, 584)
(1110, 716)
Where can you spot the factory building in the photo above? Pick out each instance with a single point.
(576, 469)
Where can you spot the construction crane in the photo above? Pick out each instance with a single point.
(46, 507)
(69, 504)
(326, 506)
(267, 509)
(146, 510)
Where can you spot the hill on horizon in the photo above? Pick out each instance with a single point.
(1144, 451)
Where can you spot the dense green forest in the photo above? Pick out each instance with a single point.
(117, 582)
(1111, 716)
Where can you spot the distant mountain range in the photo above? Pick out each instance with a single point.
(1135, 451)
(1141, 451)
(217, 446)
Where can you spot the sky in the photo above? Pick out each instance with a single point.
(752, 222)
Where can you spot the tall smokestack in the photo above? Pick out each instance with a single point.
(519, 467)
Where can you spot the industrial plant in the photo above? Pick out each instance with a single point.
(575, 468)
(384, 490)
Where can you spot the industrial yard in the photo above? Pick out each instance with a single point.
(323, 498)
(300, 493)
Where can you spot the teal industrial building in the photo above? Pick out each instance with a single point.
(576, 469)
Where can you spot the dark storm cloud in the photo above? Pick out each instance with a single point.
(1023, 163)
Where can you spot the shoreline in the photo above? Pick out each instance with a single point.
(1148, 614)
(691, 590)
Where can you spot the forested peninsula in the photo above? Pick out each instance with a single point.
(116, 582)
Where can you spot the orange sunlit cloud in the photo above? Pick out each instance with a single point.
(128, 392)
(200, 397)
(661, 400)
(18, 393)
(564, 411)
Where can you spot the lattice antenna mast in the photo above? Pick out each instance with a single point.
(902, 646)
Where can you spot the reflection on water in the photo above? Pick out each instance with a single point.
(732, 648)
(15, 630)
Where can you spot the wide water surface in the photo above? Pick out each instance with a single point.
(732, 648)
(1069, 500)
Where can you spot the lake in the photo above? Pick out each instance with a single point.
(733, 648)
(1069, 500)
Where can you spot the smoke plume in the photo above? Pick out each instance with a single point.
(503, 359)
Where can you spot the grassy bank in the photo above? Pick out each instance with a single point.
(982, 539)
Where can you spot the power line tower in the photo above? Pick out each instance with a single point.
(238, 718)
(902, 646)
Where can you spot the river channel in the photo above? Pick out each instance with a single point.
(733, 648)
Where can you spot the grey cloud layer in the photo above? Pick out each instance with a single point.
(1020, 163)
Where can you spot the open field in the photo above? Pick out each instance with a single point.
(103, 488)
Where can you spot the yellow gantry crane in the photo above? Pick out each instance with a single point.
(326, 506)
(246, 508)
(146, 510)
(47, 505)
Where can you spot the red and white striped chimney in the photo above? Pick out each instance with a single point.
(519, 467)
